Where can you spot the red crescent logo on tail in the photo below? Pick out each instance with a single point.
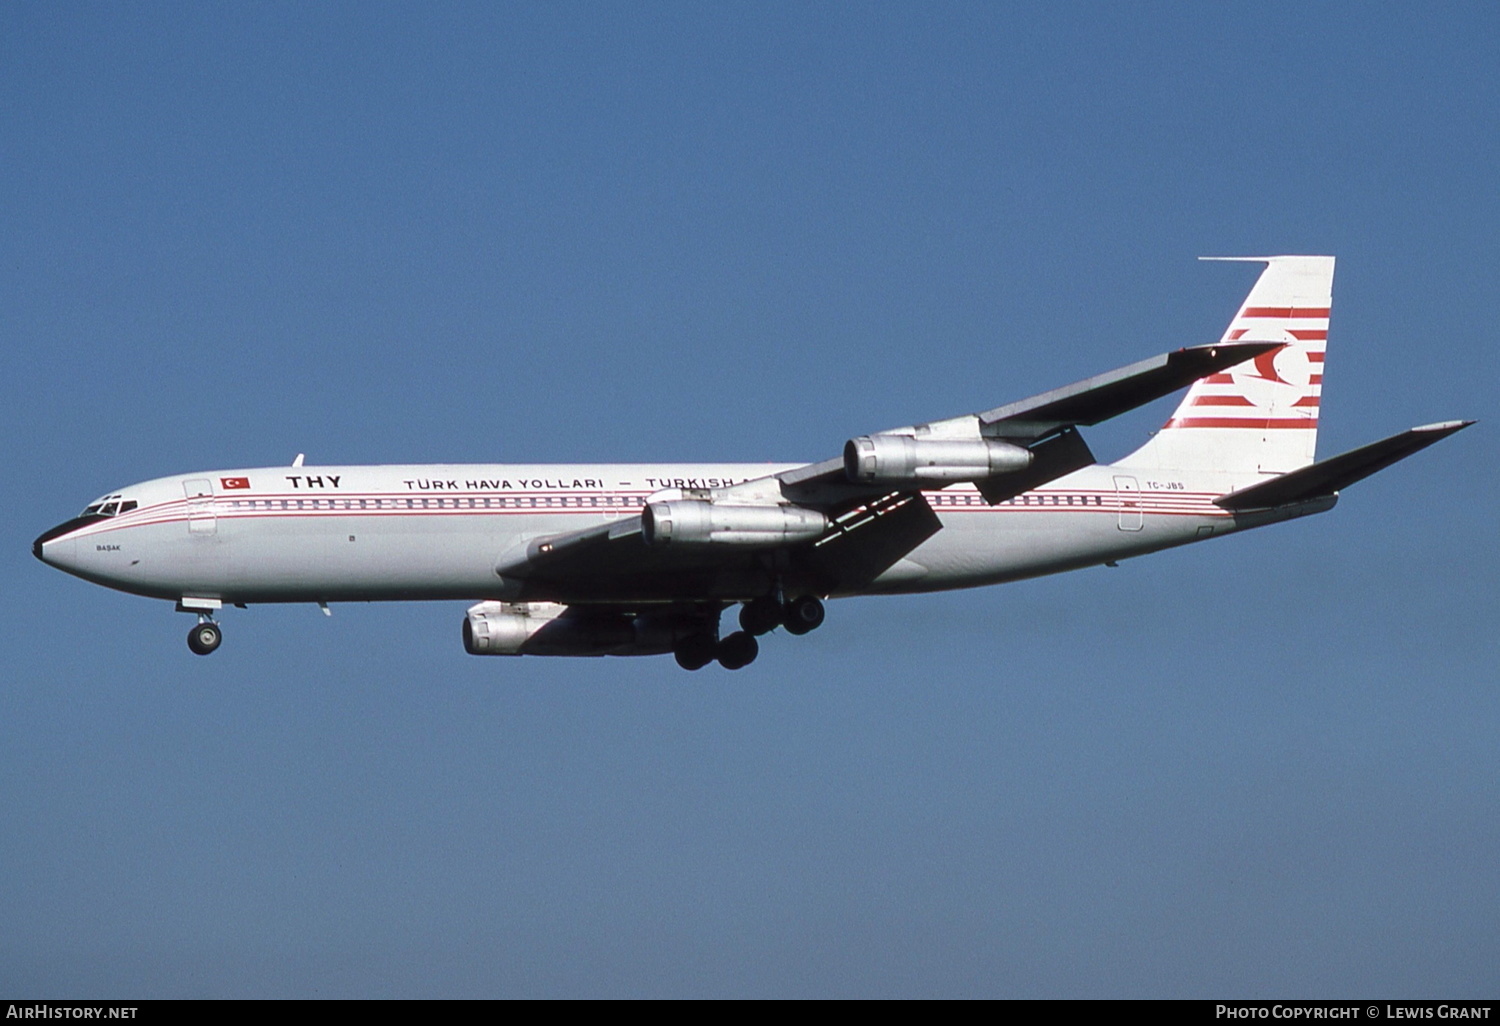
(1265, 366)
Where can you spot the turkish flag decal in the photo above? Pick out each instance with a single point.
(234, 482)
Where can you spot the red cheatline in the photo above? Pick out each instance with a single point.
(1246, 423)
(1285, 313)
(1300, 334)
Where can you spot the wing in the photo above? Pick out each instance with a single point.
(613, 563)
(1045, 425)
(837, 525)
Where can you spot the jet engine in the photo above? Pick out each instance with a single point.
(699, 522)
(549, 628)
(903, 460)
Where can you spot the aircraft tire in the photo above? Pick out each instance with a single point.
(804, 614)
(695, 651)
(738, 650)
(204, 638)
(761, 616)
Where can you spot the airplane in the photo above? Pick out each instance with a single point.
(639, 559)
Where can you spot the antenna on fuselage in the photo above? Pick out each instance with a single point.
(298, 461)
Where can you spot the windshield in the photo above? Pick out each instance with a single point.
(110, 505)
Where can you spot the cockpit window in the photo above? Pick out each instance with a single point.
(109, 506)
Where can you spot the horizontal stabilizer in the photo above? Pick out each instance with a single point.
(1118, 391)
(1331, 475)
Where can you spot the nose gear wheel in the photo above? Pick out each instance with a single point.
(204, 637)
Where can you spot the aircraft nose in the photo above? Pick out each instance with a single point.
(49, 544)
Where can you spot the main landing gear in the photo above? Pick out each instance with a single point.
(803, 614)
(799, 615)
(696, 651)
(759, 616)
(205, 637)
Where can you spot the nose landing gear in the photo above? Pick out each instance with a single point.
(204, 637)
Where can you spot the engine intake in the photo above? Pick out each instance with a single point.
(903, 460)
(697, 522)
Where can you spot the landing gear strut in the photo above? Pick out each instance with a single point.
(205, 637)
(758, 616)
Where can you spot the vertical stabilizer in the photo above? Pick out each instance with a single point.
(1260, 417)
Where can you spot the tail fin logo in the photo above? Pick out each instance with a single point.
(1265, 366)
(1260, 417)
(1278, 389)
(1266, 379)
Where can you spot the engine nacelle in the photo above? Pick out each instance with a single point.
(698, 522)
(503, 628)
(902, 460)
(549, 628)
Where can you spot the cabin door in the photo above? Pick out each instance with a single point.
(200, 496)
(1128, 495)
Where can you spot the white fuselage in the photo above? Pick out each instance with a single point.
(370, 533)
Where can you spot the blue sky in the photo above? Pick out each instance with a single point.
(399, 233)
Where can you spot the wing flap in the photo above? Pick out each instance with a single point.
(867, 541)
